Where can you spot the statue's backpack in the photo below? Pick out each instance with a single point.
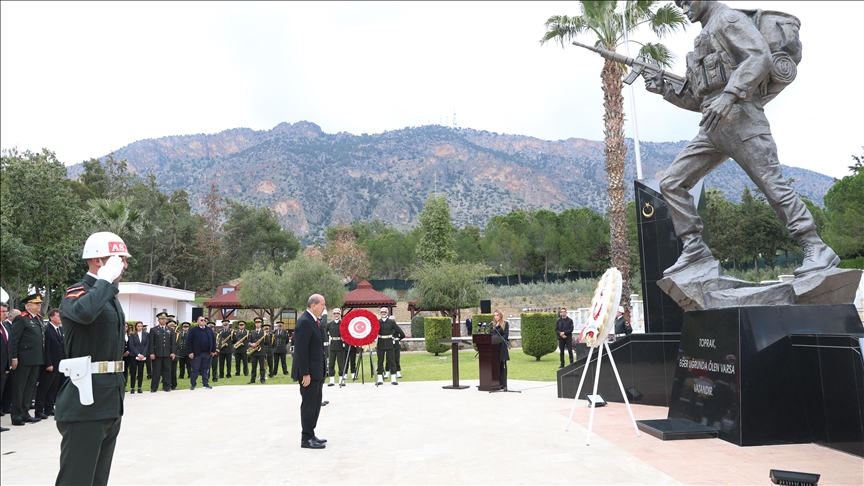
(781, 31)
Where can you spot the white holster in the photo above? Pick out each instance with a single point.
(78, 371)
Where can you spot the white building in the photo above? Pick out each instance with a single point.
(142, 301)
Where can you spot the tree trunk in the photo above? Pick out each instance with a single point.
(616, 150)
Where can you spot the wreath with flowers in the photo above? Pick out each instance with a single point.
(359, 327)
(603, 306)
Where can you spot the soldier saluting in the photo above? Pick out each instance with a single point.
(93, 329)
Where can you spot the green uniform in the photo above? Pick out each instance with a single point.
(225, 348)
(93, 325)
(27, 345)
(280, 351)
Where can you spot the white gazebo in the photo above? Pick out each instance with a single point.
(142, 301)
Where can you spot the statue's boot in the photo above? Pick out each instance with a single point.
(694, 250)
(817, 255)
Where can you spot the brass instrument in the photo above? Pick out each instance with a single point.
(227, 338)
(252, 350)
(240, 342)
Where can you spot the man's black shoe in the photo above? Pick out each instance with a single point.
(192, 387)
(49, 412)
(311, 444)
(208, 387)
(215, 379)
(31, 420)
(42, 416)
(262, 381)
(153, 391)
(167, 389)
(324, 403)
(17, 422)
(139, 391)
(320, 441)
(245, 373)
(4, 429)
(252, 382)
(229, 376)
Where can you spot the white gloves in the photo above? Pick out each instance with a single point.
(111, 269)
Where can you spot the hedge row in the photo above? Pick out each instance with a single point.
(436, 328)
(538, 334)
(417, 330)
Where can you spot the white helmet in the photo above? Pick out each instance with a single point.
(104, 244)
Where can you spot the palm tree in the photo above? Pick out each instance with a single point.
(117, 216)
(603, 19)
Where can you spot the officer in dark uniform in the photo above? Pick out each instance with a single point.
(182, 359)
(27, 350)
(280, 349)
(398, 336)
(162, 350)
(172, 324)
(241, 345)
(267, 345)
(388, 328)
(256, 343)
(338, 348)
(93, 325)
(225, 344)
(214, 362)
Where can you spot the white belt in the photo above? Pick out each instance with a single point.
(384, 337)
(100, 367)
(335, 338)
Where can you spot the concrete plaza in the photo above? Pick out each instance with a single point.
(414, 433)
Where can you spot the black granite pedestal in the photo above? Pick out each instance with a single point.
(769, 375)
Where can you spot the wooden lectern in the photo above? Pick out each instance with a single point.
(489, 346)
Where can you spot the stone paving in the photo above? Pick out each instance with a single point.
(414, 433)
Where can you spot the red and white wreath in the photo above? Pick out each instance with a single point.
(601, 321)
(359, 327)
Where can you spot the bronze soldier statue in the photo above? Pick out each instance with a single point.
(731, 73)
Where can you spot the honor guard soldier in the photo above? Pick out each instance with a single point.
(280, 349)
(90, 404)
(257, 356)
(27, 350)
(225, 345)
(398, 336)
(162, 350)
(338, 348)
(385, 347)
(182, 360)
(241, 345)
(214, 362)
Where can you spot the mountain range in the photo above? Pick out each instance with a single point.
(313, 179)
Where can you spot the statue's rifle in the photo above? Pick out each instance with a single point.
(638, 67)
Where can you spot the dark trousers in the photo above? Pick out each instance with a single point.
(566, 343)
(337, 356)
(244, 358)
(184, 364)
(214, 368)
(502, 372)
(46, 391)
(174, 373)
(256, 361)
(225, 362)
(3, 379)
(87, 450)
(352, 358)
(22, 393)
(270, 364)
(136, 370)
(6, 396)
(397, 356)
(161, 370)
(200, 366)
(391, 361)
(277, 359)
(310, 408)
(149, 366)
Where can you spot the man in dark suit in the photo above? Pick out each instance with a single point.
(5, 362)
(307, 367)
(162, 350)
(27, 350)
(49, 375)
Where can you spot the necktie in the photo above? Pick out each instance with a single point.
(3, 330)
(318, 321)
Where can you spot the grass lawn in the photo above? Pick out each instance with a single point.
(423, 366)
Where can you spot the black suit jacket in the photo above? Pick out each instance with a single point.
(308, 349)
(5, 360)
(137, 346)
(54, 351)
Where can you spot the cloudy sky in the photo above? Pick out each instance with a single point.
(83, 79)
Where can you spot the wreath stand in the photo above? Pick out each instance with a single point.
(596, 381)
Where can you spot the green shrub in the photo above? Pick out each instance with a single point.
(538, 334)
(478, 320)
(436, 328)
(852, 263)
(417, 330)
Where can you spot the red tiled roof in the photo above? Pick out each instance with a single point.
(365, 296)
(227, 300)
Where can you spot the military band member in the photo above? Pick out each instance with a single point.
(338, 348)
(27, 350)
(258, 350)
(162, 350)
(280, 349)
(267, 346)
(214, 362)
(182, 360)
(388, 328)
(241, 345)
(226, 348)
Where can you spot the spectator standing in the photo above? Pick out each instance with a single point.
(201, 344)
(564, 330)
(50, 377)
